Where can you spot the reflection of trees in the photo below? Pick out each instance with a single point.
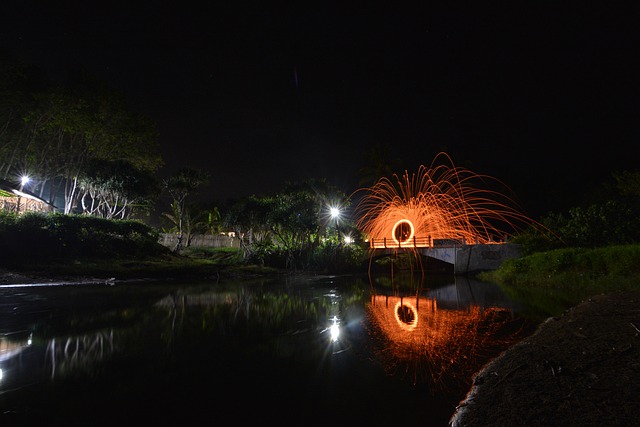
(279, 319)
(236, 310)
(80, 353)
(437, 346)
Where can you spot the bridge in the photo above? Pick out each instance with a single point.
(466, 258)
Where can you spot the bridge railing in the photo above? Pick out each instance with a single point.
(414, 242)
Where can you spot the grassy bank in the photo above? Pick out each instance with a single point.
(57, 246)
(191, 264)
(549, 282)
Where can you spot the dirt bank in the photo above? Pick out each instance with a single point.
(579, 369)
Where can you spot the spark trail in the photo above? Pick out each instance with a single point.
(441, 202)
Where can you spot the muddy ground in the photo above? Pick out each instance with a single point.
(579, 369)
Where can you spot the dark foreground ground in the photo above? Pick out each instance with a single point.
(579, 369)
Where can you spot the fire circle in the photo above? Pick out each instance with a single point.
(402, 231)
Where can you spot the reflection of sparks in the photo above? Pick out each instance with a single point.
(444, 343)
(439, 202)
(406, 315)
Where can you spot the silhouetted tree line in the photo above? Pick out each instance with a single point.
(610, 217)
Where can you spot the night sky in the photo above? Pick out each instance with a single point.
(544, 97)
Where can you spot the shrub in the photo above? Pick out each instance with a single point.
(43, 237)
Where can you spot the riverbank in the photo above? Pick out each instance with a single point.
(579, 369)
(169, 267)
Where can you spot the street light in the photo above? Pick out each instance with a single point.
(24, 181)
(334, 211)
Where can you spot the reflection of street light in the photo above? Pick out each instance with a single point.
(334, 329)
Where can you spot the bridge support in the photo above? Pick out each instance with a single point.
(467, 259)
(474, 258)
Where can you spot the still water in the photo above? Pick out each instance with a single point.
(295, 350)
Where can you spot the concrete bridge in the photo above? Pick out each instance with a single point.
(465, 258)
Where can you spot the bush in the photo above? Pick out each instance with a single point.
(39, 237)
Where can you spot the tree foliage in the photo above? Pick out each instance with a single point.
(57, 134)
(610, 220)
(291, 228)
(180, 186)
(114, 189)
(67, 238)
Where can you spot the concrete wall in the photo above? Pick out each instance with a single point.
(200, 240)
(474, 258)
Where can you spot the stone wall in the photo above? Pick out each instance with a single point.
(201, 240)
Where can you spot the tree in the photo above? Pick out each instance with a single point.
(180, 186)
(212, 222)
(18, 82)
(287, 226)
(628, 183)
(112, 189)
(56, 134)
(248, 218)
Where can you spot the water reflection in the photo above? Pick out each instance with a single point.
(10, 348)
(71, 355)
(275, 319)
(24, 362)
(265, 350)
(440, 336)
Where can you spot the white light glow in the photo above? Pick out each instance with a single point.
(334, 331)
(335, 212)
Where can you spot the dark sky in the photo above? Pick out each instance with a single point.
(543, 96)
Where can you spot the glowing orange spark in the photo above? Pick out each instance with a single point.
(440, 202)
(432, 343)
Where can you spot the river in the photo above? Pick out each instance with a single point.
(345, 350)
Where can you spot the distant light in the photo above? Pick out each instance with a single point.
(335, 212)
(25, 179)
(348, 240)
(334, 331)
